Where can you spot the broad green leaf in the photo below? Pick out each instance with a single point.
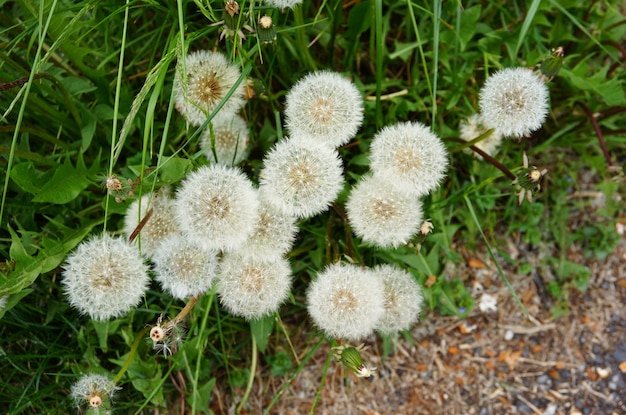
(175, 169)
(65, 185)
(261, 330)
(28, 178)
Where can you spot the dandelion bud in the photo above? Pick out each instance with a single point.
(551, 66)
(514, 102)
(351, 358)
(266, 30)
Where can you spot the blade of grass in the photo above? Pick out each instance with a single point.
(530, 15)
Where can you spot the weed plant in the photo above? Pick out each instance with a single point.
(93, 126)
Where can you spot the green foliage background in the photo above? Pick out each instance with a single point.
(87, 93)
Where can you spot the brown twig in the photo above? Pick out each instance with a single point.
(139, 227)
(596, 128)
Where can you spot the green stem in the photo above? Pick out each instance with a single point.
(131, 354)
(323, 380)
(246, 394)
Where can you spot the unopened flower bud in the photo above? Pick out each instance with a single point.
(351, 358)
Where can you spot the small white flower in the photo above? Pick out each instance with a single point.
(301, 177)
(283, 4)
(326, 106)
(273, 235)
(226, 138)
(207, 79)
(346, 301)
(184, 267)
(253, 287)
(410, 156)
(104, 277)
(488, 303)
(472, 128)
(93, 390)
(514, 102)
(217, 205)
(160, 225)
(403, 299)
(381, 214)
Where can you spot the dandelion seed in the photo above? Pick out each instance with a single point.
(208, 78)
(301, 178)
(184, 267)
(514, 102)
(381, 214)
(472, 128)
(409, 156)
(226, 140)
(251, 287)
(346, 301)
(160, 225)
(325, 106)
(93, 390)
(403, 299)
(104, 277)
(217, 205)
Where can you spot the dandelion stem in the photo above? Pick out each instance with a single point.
(596, 128)
(131, 355)
(183, 313)
(323, 380)
(246, 394)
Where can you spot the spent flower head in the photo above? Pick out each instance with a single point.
(184, 266)
(225, 140)
(283, 4)
(409, 156)
(528, 181)
(253, 287)
(346, 301)
(325, 106)
(203, 83)
(218, 205)
(104, 277)
(382, 214)
(94, 391)
(301, 177)
(473, 128)
(167, 337)
(514, 102)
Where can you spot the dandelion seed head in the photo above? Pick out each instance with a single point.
(231, 140)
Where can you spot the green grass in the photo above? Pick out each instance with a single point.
(86, 92)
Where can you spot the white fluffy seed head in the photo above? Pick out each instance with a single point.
(161, 224)
(403, 299)
(301, 177)
(208, 76)
(218, 205)
(410, 156)
(253, 287)
(227, 138)
(346, 301)
(273, 235)
(381, 214)
(474, 127)
(92, 390)
(283, 4)
(514, 102)
(326, 106)
(184, 266)
(104, 277)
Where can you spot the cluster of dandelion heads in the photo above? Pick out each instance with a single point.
(225, 140)
(252, 287)
(203, 83)
(514, 102)
(93, 391)
(218, 205)
(346, 301)
(273, 235)
(104, 277)
(409, 155)
(161, 223)
(403, 299)
(301, 177)
(382, 214)
(184, 266)
(325, 106)
(473, 128)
